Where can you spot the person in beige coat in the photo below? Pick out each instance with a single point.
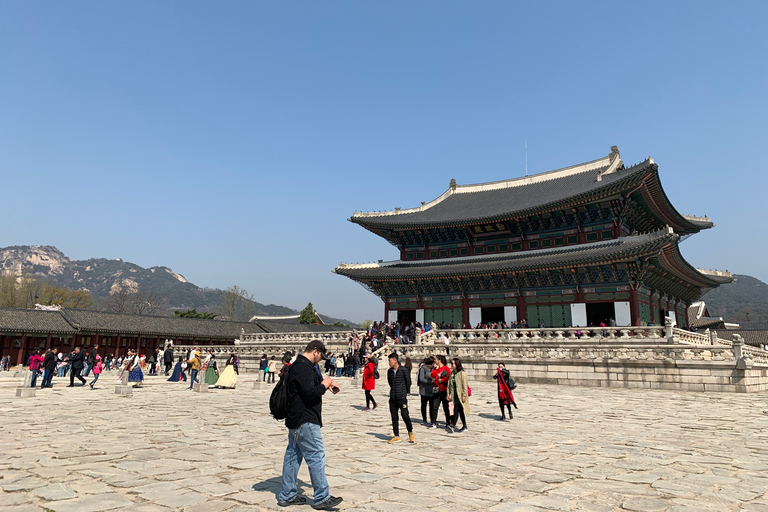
(194, 363)
(458, 393)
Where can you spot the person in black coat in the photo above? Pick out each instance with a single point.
(305, 388)
(75, 359)
(168, 359)
(49, 366)
(399, 379)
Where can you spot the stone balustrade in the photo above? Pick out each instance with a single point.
(695, 338)
(642, 357)
(331, 337)
(558, 334)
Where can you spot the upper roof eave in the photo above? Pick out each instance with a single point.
(604, 166)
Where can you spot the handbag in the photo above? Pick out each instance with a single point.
(469, 391)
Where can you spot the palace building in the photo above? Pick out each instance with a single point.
(577, 246)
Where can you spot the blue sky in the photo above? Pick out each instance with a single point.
(230, 141)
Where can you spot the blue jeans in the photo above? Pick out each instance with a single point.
(193, 379)
(95, 378)
(33, 383)
(304, 442)
(47, 378)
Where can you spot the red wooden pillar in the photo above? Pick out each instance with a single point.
(634, 308)
(522, 311)
(22, 349)
(386, 310)
(464, 311)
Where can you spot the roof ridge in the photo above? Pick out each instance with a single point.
(611, 162)
(69, 318)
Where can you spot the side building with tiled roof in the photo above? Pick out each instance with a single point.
(24, 330)
(591, 243)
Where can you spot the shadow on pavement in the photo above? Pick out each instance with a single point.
(379, 436)
(490, 416)
(274, 485)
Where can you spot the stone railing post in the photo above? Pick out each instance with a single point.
(712, 336)
(743, 362)
(738, 345)
(668, 330)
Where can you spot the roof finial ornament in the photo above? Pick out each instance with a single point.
(614, 153)
(452, 185)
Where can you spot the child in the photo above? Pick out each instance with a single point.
(96, 371)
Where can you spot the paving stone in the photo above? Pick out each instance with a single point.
(645, 504)
(55, 492)
(610, 448)
(182, 498)
(548, 503)
(94, 503)
(23, 508)
(637, 478)
(14, 498)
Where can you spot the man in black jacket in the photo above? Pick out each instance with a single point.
(399, 379)
(168, 358)
(49, 366)
(76, 360)
(90, 359)
(305, 388)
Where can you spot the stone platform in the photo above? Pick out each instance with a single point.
(567, 449)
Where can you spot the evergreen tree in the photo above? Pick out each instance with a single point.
(308, 315)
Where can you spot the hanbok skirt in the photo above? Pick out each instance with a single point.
(135, 375)
(178, 374)
(228, 378)
(210, 375)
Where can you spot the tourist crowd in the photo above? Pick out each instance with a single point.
(438, 385)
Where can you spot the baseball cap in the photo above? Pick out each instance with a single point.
(317, 344)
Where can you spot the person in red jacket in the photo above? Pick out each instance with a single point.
(440, 376)
(34, 366)
(369, 383)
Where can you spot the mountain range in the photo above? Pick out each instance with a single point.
(104, 277)
(744, 301)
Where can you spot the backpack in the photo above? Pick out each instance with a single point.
(375, 372)
(511, 384)
(278, 401)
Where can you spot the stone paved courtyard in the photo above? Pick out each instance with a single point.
(568, 449)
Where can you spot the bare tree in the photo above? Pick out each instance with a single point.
(119, 301)
(147, 302)
(237, 304)
(141, 302)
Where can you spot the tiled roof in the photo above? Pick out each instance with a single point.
(102, 321)
(70, 321)
(621, 248)
(30, 320)
(463, 204)
(708, 323)
(754, 337)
